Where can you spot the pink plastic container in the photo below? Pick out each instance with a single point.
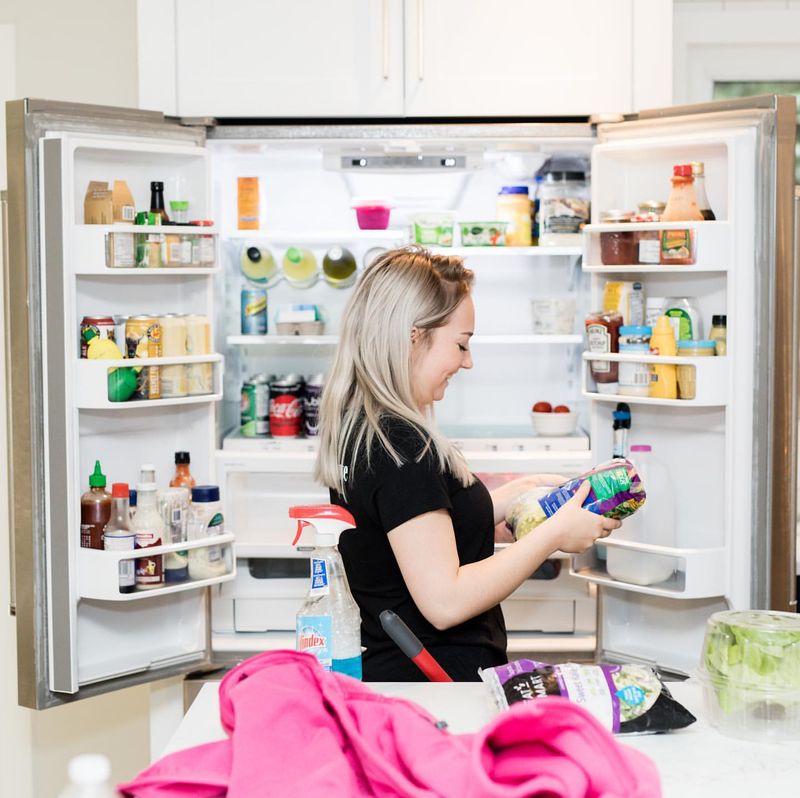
(372, 214)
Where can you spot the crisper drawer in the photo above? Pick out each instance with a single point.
(524, 614)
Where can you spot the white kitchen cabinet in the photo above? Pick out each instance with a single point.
(395, 58)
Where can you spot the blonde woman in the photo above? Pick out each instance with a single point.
(424, 541)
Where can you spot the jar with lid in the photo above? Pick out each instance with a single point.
(687, 377)
(719, 334)
(563, 209)
(514, 207)
(648, 242)
(617, 247)
(206, 521)
(634, 378)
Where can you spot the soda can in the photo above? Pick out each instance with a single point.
(255, 406)
(313, 395)
(248, 410)
(200, 376)
(143, 339)
(119, 333)
(102, 326)
(286, 406)
(254, 311)
(174, 378)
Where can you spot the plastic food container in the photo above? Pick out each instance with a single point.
(553, 315)
(483, 234)
(687, 376)
(554, 424)
(750, 671)
(372, 213)
(433, 229)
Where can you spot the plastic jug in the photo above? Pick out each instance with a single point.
(329, 622)
(654, 524)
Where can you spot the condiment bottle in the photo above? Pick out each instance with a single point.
(95, 510)
(698, 173)
(663, 378)
(118, 535)
(677, 246)
(148, 526)
(157, 200)
(602, 336)
(182, 478)
(719, 334)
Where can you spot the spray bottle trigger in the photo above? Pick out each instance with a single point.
(301, 524)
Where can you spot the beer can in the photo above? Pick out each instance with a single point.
(313, 395)
(254, 311)
(200, 376)
(174, 378)
(102, 326)
(143, 339)
(286, 406)
(255, 407)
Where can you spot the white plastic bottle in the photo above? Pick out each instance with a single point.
(89, 776)
(653, 524)
(329, 622)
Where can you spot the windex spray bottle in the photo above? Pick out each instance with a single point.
(329, 622)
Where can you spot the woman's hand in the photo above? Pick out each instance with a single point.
(507, 494)
(578, 529)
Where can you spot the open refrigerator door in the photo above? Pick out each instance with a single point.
(727, 437)
(81, 632)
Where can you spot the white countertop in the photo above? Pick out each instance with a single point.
(697, 762)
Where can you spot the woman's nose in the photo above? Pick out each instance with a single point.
(466, 361)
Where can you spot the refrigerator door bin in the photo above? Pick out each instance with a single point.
(711, 378)
(98, 570)
(92, 391)
(698, 573)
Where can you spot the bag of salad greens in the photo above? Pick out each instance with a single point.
(626, 699)
(616, 492)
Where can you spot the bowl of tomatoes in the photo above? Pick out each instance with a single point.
(552, 421)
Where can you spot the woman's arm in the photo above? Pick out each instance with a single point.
(505, 495)
(448, 593)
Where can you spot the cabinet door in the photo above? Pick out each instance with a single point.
(274, 59)
(517, 58)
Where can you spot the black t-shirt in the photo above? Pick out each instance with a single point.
(382, 496)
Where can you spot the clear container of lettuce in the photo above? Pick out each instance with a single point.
(751, 674)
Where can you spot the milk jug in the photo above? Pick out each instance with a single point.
(654, 524)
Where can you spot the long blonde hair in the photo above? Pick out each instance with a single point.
(371, 375)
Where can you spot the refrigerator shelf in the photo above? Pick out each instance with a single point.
(98, 570)
(634, 268)
(188, 271)
(701, 573)
(305, 237)
(332, 340)
(492, 252)
(91, 382)
(704, 227)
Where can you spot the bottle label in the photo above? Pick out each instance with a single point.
(676, 245)
(649, 251)
(599, 341)
(315, 636)
(319, 577)
(127, 573)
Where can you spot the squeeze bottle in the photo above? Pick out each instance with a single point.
(653, 524)
(89, 776)
(663, 378)
(329, 621)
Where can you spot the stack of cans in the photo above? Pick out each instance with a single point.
(285, 406)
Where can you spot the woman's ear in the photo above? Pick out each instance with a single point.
(415, 333)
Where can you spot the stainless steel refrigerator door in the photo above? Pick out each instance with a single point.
(45, 584)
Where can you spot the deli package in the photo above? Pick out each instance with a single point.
(617, 492)
(626, 699)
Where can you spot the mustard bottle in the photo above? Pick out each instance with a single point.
(663, 378)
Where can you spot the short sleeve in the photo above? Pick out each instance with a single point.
(412, 489)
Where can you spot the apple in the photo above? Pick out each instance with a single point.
(543, 407)
(561, 409)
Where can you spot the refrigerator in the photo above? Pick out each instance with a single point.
(731, 451)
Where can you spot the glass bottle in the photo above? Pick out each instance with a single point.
(698, 173)
(95, 510)
(118, 535)
(157, 200)
(182, 478)
(719, 334)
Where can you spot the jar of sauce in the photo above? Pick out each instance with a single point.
(514, 207)
(617, 247)
(687, 377)
(648, 242)
(602, 336)
(719, 334)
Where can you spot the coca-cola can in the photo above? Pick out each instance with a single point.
(286, 406)
(311, 405)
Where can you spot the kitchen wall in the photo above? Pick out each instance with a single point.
(83, 51)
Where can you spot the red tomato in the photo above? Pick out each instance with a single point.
(561, 409)
(543, 407)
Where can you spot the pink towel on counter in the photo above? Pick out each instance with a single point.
(295, 729)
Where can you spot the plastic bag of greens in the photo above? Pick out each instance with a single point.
(617, 492)
(626, 699)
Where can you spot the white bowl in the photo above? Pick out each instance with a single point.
(554, 424)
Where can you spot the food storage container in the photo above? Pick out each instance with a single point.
(617, 247)
(483, 234)
(372, 213)
(750, 671)
(634, 378)
(687, 377)
(433, 229)
(553, 315)
(554, 424)
(514, 207)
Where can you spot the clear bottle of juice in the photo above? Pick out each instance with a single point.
(663, 378)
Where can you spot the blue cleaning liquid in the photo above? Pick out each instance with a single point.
(349, 667)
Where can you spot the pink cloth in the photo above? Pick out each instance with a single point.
(296, 730)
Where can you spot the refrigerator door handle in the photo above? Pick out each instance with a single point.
(386, 39)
